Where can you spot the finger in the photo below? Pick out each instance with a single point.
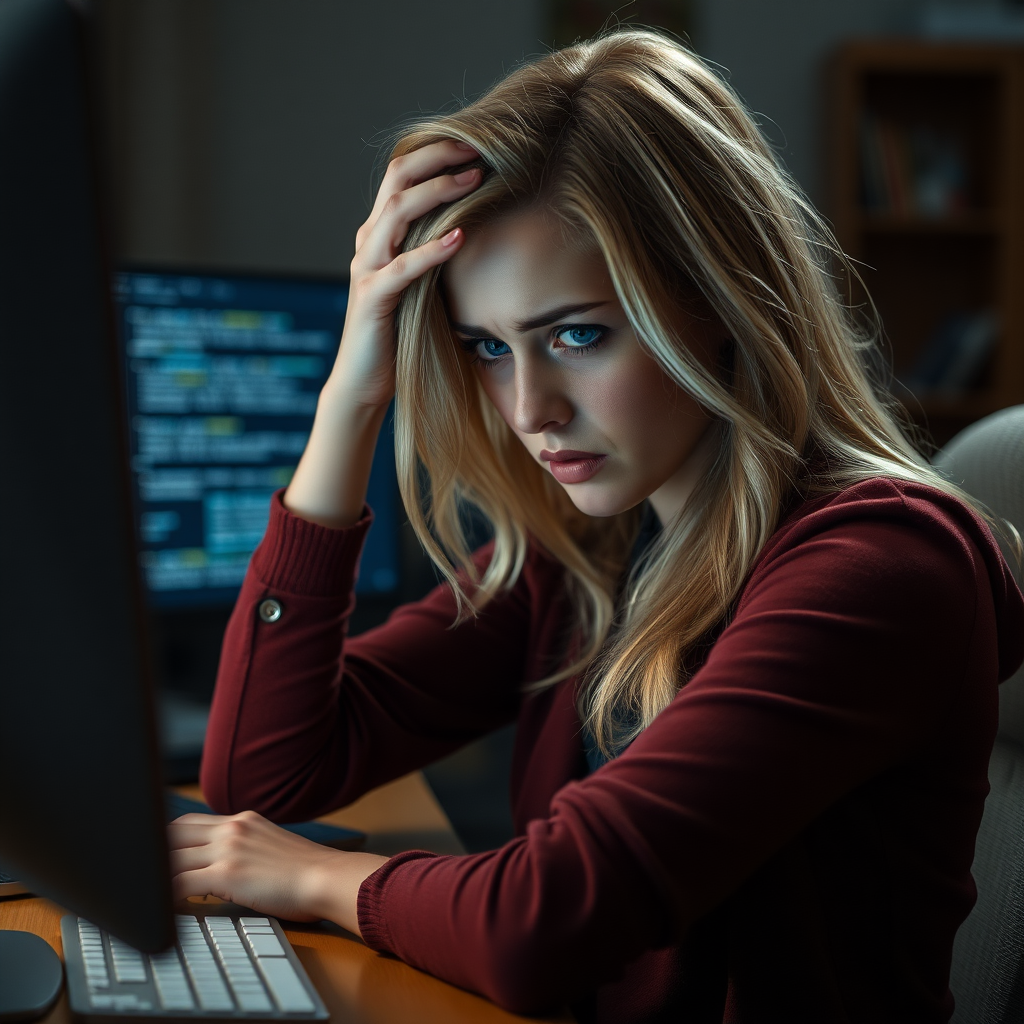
(197, 817)
(406, 171)
(199, 829)
(390, 282)
(181, 834)
(201, 882)
(192, 858)
(427, 162)
(384, 241)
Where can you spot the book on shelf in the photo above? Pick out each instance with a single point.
(914, 170)
(954, 355)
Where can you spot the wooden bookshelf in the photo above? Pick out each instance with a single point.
(941, 239)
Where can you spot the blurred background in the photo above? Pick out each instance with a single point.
(243, 137)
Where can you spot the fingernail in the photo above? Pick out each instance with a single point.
(466, 176)
(466, 146)
(450, 237)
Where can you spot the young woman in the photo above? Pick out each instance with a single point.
(751, 640)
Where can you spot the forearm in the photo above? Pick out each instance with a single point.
(330, 482)
(305, 720)
(275, 740)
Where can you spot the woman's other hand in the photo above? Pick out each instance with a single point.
(250, 861)
(329, 485)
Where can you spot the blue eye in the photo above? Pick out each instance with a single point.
(486, 352)
(581, 336)
(494, 348)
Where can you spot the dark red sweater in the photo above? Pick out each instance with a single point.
(790, 840)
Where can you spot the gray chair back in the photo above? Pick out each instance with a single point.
(987, 460)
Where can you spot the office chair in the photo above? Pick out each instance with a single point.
(987, 460)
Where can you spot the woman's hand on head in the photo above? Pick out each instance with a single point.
(330, 481)
(380, 271)
(248, 860)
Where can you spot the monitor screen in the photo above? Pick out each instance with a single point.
(222, 375)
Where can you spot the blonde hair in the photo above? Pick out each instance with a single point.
(632, 144)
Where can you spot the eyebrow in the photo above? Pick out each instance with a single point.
(522, 326)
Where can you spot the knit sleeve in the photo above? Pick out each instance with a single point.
(305, 719)
(854, 644)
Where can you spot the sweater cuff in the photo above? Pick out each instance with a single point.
(370, 912)
(300, 557)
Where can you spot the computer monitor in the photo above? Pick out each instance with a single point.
(77, 722)
(222, 374)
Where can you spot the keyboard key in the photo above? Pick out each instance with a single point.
(171, 985)
(120, 1002)
(175, 999)
(244, 982)
(254, 1000)
(228, 944)
(214, 998)
(265, 945)
(129, 967)
(130, 1002)
(210, 989)
(238, 970)
(246, 985)
(285, 986)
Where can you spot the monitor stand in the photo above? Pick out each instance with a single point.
(32, 976)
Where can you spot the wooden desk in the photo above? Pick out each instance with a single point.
(357, 985)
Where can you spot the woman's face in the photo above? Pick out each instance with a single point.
(557, 357)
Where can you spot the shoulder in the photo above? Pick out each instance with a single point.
(884, 499)
(904, 555)
(881, 542)
(891, 521)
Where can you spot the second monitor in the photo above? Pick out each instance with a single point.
(222, 374)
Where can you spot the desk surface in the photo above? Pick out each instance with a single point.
(357, 985)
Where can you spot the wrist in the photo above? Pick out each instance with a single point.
(334, 887)
(330, 481)
(358, 407)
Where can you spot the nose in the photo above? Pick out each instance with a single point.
(541, 399)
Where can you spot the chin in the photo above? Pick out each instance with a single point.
(601, 505)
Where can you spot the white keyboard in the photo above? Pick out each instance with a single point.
(221, 966)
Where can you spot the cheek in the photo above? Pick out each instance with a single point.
(501, 396)
(633, 399)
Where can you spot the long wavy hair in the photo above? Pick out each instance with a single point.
(634, 146)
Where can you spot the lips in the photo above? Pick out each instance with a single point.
(567, 455)
(569, 466)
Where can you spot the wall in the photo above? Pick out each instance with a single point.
(243, 133)
(774, 53)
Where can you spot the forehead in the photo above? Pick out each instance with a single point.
(518, 265)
